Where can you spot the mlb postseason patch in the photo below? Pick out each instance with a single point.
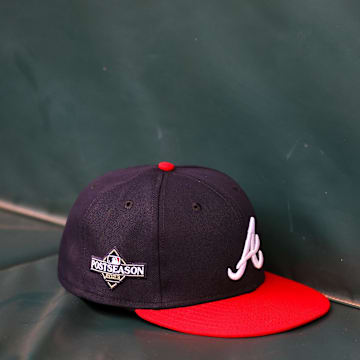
(114, 268)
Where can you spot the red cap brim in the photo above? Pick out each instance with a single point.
(279, 304)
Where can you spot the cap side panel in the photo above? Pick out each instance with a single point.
(133, 232)
(71, 245)
(223, 184)
(108, 224)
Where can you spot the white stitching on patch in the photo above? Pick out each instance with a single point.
(114, 268)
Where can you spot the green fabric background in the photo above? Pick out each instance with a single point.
(266, 91)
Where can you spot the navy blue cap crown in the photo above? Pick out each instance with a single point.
(159, 237)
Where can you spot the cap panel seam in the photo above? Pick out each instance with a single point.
(159, 211)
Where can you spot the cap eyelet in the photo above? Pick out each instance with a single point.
(128, 204)
(196, 206)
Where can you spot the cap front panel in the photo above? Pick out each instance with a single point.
(201, 236)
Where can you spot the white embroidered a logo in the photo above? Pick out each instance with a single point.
(251, 250)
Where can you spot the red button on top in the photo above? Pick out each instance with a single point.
(166, 166)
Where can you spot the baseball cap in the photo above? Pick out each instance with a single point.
(180, 246)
